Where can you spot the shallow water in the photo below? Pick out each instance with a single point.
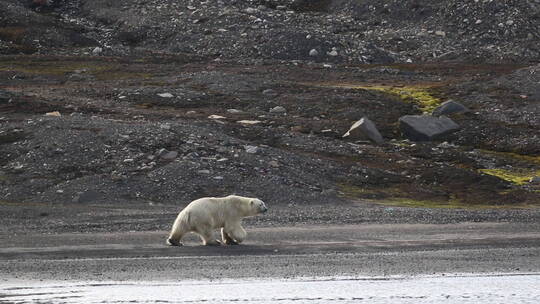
(496, 288)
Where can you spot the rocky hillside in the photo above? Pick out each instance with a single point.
(339, 31)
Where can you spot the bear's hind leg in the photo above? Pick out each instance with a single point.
(226, 238)
(175, 237)
(178, 231)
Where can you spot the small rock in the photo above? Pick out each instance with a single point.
(218, 177)
(478, 21)
(162, 152)
(278, 109)
(55, 114)
(170, 155)
(535, 180)
(203, 171)
(249, 122)
(364, 128)
(251, 149)
(87, 197)
(216, 117)
(166, 95)
(449, 107)
(165, 126)
(426, 127)
(333, 53)
(97, 51)
(269, 92)
(251, 10)
(440, 33)
(273, 164)
(234, 111)
(313, 53)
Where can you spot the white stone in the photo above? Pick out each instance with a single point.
(234, 111)
(216, 117)
(249, 122)
(166, 95)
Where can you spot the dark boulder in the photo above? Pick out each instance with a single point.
(449, 107)
(425, 127)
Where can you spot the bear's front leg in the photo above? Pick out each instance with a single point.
(226, 238)
(236, 232)
(208, 238)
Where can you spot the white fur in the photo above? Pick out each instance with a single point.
(206, 214)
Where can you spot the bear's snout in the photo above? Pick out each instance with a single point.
(263, 209)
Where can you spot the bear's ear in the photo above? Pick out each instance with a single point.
(251, 202)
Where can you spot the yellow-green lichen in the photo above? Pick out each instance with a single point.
(422, 96)
(418, 95)
(517, 176)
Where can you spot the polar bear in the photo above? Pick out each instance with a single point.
(204, 215)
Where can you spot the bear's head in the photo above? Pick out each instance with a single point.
(257, 206)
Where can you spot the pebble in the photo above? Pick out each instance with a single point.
(54, 114)
(278, 109)
(165, 126)
(203, 171)
(216, 117)
(234, 111)
(251, 10)
(440, 33)
(273, 163)
(170, 155)
(313, 53)
(249, 122)
(251, 149)
(166, 95)
(269, 92)
(97, 51)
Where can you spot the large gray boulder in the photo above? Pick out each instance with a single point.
(426, 127)
(364, 128)
(449, 107)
